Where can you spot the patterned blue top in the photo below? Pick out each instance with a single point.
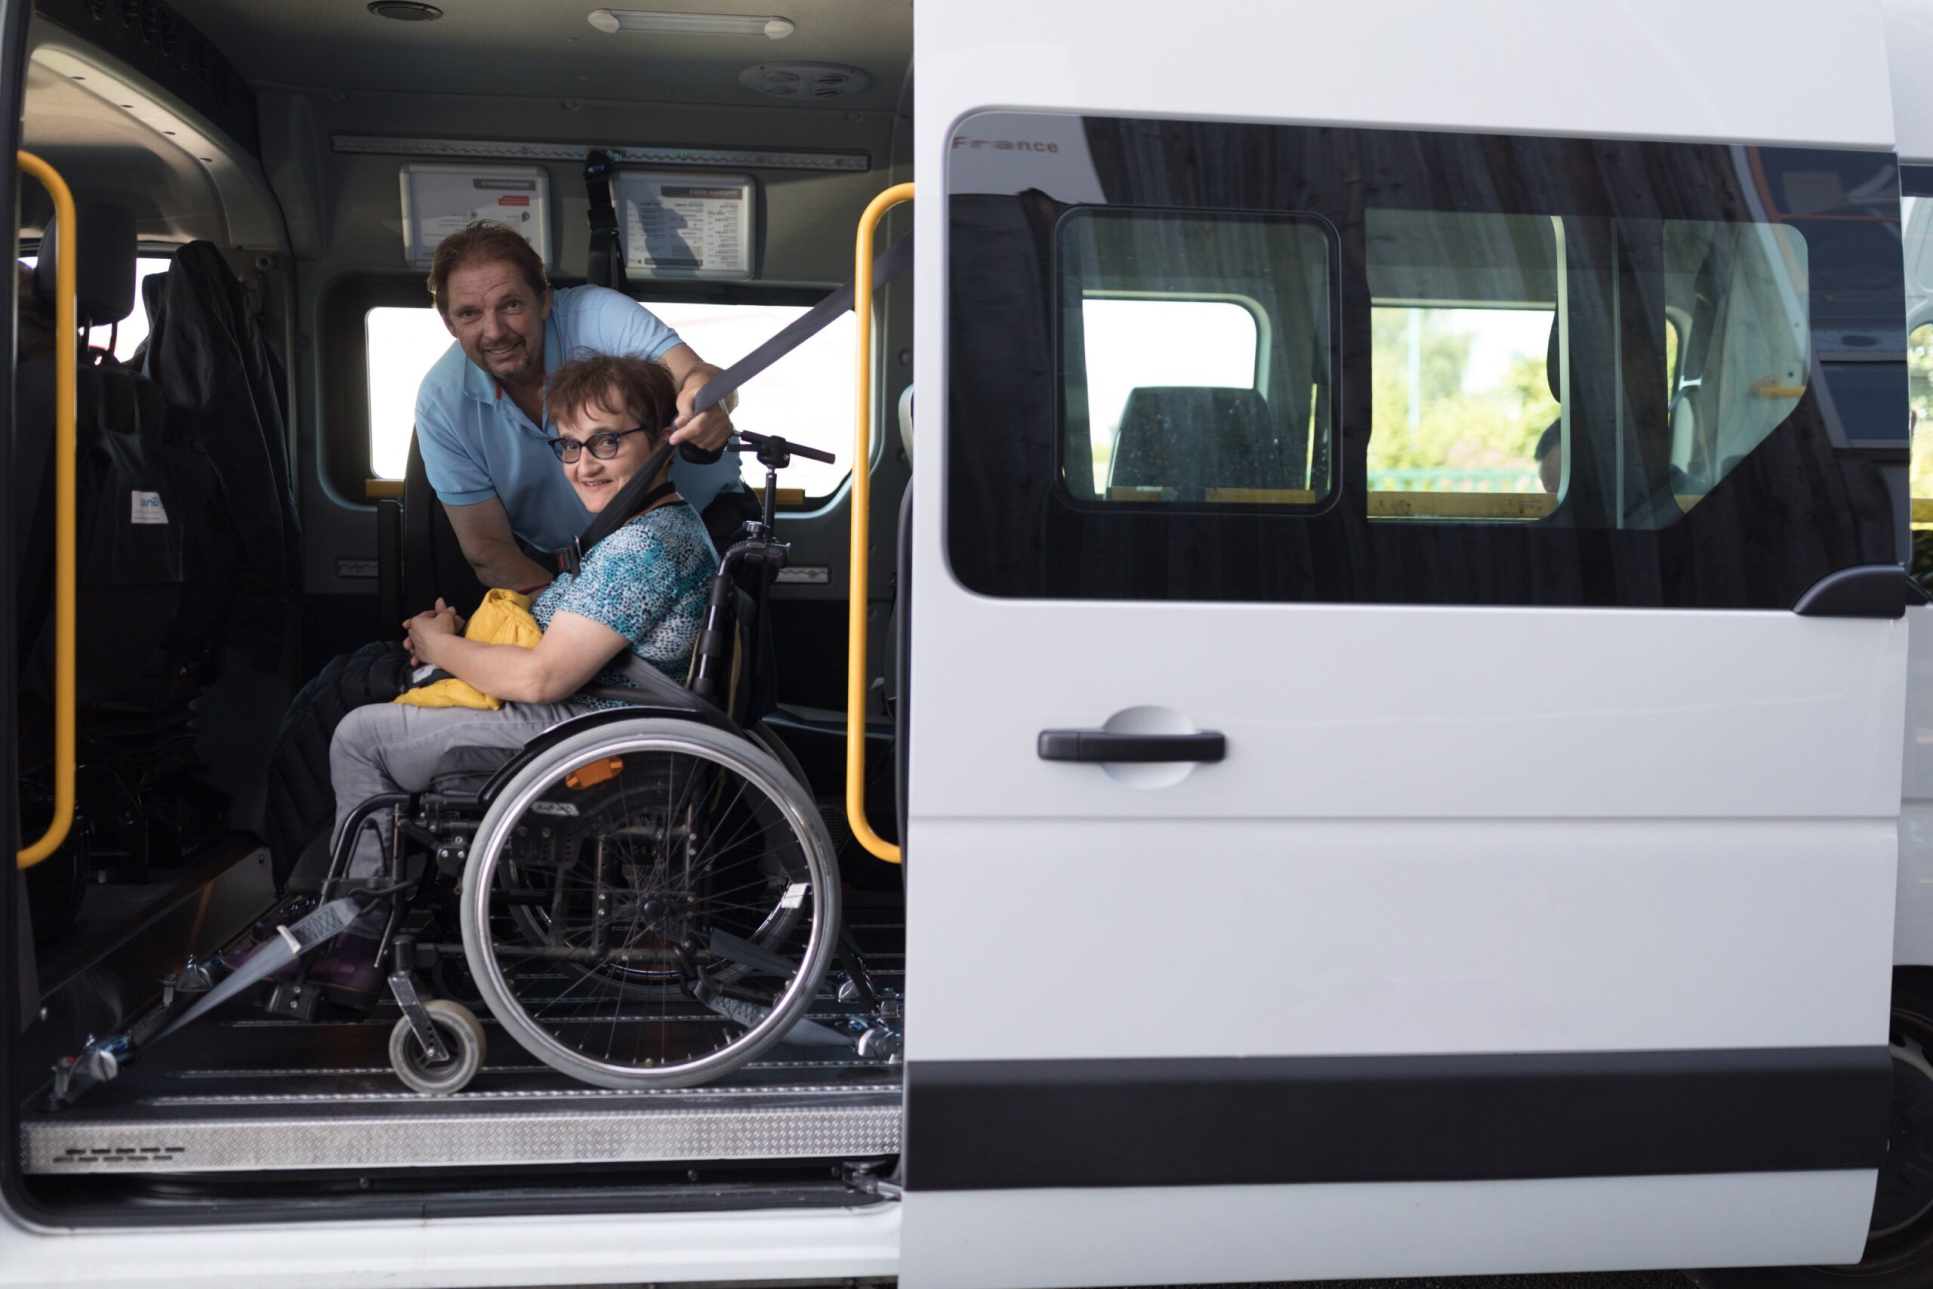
(648, 582)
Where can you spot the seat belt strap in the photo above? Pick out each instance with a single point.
(892, 261)
(634, 496)
(606, 266)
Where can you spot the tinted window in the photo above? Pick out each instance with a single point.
(1551, 372)
(1171, 394)
(1481, 324)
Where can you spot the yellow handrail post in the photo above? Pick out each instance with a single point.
(64, 555)
(862, 456)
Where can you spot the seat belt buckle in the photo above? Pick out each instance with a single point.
(571, 557)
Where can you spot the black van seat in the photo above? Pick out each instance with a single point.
(153, 546)
(1191, 438)
(206, 352)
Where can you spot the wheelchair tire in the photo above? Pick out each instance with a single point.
(650, 850)
(460, 1030)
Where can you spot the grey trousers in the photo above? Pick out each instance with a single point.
(394, 747)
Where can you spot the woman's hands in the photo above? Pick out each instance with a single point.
(570, 652)
(427, 631)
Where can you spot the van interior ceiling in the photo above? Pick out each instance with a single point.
(251, 277)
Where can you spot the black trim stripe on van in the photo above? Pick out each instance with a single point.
(1009, 1125)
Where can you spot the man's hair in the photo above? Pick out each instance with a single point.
(481, 242)
(613, 383)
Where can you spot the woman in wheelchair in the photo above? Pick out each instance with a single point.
(642, 588)
(645, 896)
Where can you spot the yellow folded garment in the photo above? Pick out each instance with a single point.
(502, 618)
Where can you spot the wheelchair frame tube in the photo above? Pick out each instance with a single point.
(65, 328)
(862, 460)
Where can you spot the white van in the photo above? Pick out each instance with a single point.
(1385, 706)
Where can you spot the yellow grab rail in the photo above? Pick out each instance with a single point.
(862, 456)
(64, 559)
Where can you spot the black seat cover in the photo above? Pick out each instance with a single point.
(206, 352)
(1192, 438)
(151, 530)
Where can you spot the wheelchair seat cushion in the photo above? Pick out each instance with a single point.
(467, 769)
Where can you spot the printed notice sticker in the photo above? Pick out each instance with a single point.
(440, 198)
(147, 508)
(686, 225)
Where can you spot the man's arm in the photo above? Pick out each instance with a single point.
(709, 430)
(483, 530)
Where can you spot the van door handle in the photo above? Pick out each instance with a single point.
(1099, 745)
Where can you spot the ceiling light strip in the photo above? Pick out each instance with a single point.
(481, 150)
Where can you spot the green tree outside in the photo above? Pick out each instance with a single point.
(1429, 432)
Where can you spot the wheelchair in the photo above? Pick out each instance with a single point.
(643, 897)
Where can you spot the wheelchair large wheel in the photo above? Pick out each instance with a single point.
(650, 904)
(642, 982)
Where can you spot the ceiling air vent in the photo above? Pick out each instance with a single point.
(805, 80)
(405, 11)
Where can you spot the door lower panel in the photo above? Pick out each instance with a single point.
(1212, 1234)
(1006, 1125)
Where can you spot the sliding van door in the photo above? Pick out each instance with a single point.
(1407, 704)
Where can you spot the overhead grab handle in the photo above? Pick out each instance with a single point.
(862, 455)
(65, 327)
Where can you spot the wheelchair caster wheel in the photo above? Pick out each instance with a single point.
(460, 1031)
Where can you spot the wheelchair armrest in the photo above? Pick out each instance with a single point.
(622, 694)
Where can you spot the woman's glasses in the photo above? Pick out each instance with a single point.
(603, 445)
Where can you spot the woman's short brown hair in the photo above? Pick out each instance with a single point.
(611, 383)
(484, 240)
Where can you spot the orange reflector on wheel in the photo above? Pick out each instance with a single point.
(589, 776)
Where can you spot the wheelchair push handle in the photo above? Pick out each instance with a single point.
(774, 452)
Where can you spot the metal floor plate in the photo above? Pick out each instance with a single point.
(241, 1092)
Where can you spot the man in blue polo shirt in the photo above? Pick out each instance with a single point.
(480, 410)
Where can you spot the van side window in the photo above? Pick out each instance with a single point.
(1486, 369)
(1919, 365)
(1916, 220)
(1463, 403)
(805, 396)
(1192, 350)
(1482, 323)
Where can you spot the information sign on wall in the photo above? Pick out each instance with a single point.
(441, 197)
(693, 225)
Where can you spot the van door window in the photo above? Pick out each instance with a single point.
(1919, 367)
(1213, 343)
(1703, 357)
(805, 396)
(1192, 349)
(1470, 400)
(1464, 403)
